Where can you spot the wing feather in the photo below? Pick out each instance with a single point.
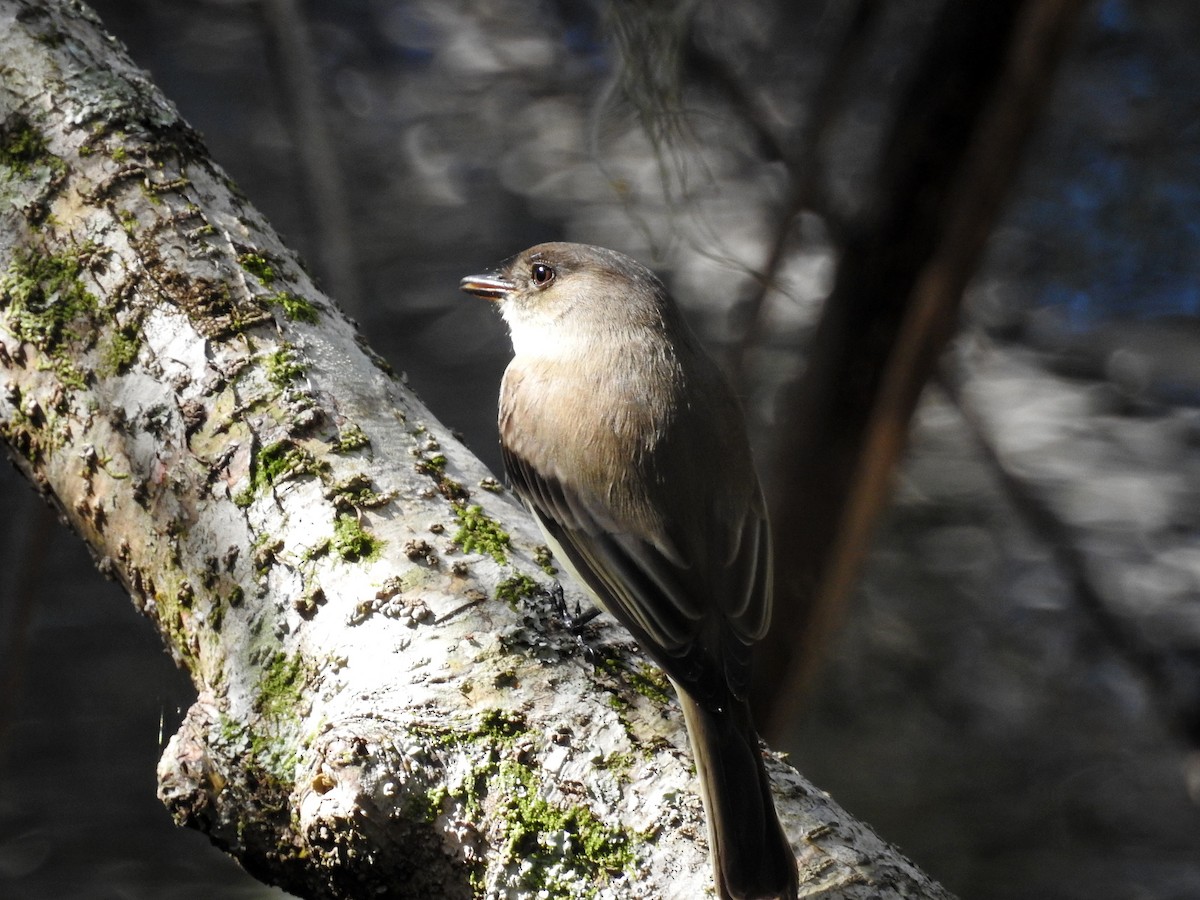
(667, 605)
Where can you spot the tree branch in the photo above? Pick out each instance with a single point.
(945, 172)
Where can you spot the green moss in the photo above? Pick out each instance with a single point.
(351, 437)
(517, 587)
(295, 307)
(121, 350)
(281, 687)
(647, 680)
(229, 730)
(32, 434)
(351, 542)
(480, 533)
(49, 306)
(650, 681)
(23, 147)
(431, 808)
(281, 461)
(433, 465)
(617, 763)
(496, 728)
(283, 367)
(571, 850)
(542, 557)
(258, 266)
(272, 757)
(216, 616)
(128, 220)
(500, 727)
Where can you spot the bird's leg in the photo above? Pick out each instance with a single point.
(576, 621)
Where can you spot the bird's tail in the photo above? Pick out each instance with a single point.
(752, 859)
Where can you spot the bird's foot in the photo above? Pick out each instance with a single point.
(575, 620)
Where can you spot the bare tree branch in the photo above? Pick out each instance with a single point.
(950, 158)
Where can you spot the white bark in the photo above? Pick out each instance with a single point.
(371, 717)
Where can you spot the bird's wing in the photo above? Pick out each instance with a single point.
(695, 618)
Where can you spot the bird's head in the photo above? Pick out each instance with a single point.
(556, 295)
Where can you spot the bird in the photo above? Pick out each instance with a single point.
(628, 445)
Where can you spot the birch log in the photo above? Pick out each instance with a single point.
(387, 703)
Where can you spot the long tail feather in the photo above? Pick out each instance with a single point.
(752, 859)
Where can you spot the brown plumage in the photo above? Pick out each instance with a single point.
(628, 446)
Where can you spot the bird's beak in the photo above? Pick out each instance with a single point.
(489, 287)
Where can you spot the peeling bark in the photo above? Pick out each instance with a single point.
(387, 703)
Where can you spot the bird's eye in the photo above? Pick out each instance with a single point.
(542, 274)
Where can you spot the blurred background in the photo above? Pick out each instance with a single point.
(1012, 692)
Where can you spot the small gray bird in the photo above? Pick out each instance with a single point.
(629, 447)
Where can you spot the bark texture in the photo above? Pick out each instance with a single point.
(387, 704)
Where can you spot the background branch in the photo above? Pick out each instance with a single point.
(944, 172)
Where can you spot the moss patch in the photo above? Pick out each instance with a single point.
(647, 680)
(500, 726)
(352, 542)
(283, 460)
(480, 533)
(517, 587)
(571, 850)
(350, 437)
(29, 432)
(497, 728)
(258, 266)
(543, 558)
(276, 463)
(49, 306)
(121, 350)
(23, 147)
(295, 307)
(281, 687)
(283, 366)
(650, 681)
(433, 465)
